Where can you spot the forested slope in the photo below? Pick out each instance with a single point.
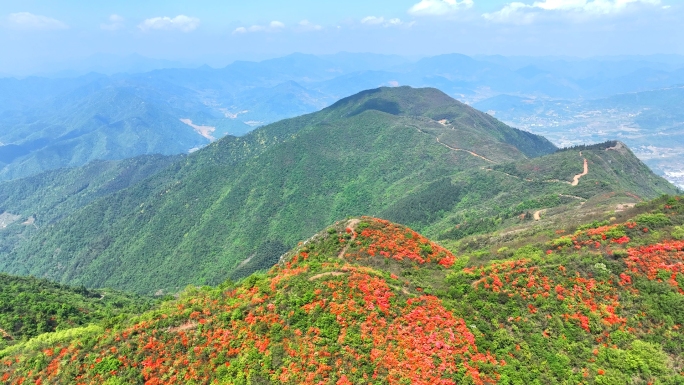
(411, 155)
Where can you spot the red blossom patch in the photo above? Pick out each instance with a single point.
(649, 260)
(389, 240)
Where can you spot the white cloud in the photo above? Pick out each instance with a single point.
(518, 12)
(306, 25)
(513, 12)
(380, 21)
(180, 22)
(116, 22)
(595, 6)
(372, 20)
(273, 26)
(439, 7)
(29, 21)
(276, 25)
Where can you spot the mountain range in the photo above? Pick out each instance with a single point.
(278, 257)
(48, 123)
(415, 156)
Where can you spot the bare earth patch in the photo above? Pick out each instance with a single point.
(330, 273)
(186, 326)
(351, 225)
(7, 219)
(5, 336)
(205, 131)
(624, 206)
(576, 178)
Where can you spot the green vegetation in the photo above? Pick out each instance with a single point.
(399, 153)
(369, 300)
(43, 200)
(30, 307)
(98, 121)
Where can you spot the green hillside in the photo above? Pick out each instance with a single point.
(30, 307)
(103, 120)
(367, 300)
(411, 155)
(29, 204)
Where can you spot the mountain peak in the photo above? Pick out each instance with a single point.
(402, 100)
(374, 242)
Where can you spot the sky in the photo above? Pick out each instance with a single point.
(35, 34)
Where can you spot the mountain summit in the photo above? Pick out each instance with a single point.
(415, 156)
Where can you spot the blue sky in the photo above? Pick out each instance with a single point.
(41, 31)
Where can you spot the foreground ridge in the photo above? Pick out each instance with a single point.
(314, 317)
(371, 301)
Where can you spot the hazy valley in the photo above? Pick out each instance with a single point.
(64, 122)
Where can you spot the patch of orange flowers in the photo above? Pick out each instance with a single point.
(390, 240)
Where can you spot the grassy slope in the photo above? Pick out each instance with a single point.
(251, 198)
(378, 300)
(30, 307)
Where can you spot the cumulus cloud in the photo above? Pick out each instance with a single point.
(372, 20)
(180, 23)
(517, 13)
(439, 7)
(29, 21)
(524, 13)
(306, 25)
(276, 25)
(398, 23)
(116, 22)
(380, 21)
(273, 26)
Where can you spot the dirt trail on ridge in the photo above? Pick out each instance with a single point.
(350, 225)
(469, 152)
(576, 178)
(444, 123)
(321, 275)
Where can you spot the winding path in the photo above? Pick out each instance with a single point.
(329, 273)
(352, 225)
(572, 196)
(449, 147)
(469, 152)
(576, 178)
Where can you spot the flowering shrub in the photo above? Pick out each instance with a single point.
(651, 260)
(383, 238)
(313, 319)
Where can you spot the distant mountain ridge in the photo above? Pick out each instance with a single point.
(412, 155)
(243, 95)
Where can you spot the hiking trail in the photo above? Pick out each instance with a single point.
(576, 178)
(350, 225)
